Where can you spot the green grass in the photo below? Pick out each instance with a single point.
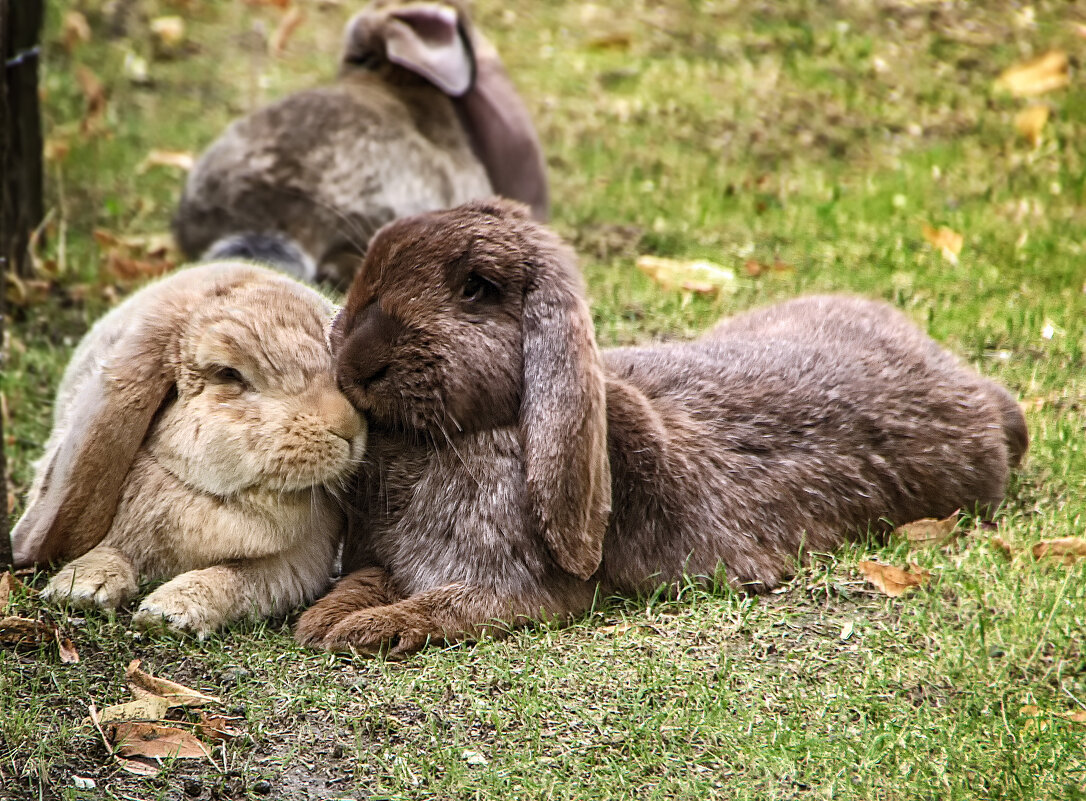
(821, 135)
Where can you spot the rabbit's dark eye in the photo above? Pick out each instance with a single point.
(228, 375)
(476, 288)
(367, 59)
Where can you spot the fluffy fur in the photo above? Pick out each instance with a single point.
(423, 116)
(196, 430)
(514, 471)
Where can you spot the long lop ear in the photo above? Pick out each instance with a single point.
(563, 415)
(426, 38)
(124, 372)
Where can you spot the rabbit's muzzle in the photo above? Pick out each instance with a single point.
(366, 351)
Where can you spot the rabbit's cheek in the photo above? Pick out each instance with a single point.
(204, 449)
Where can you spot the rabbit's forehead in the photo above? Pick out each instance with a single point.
(279, 348)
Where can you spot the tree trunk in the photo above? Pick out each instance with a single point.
(21, 206)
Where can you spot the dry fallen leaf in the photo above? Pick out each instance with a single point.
(1034, 712)
(474, 757)
(56, 149)
(946, 241)
(217, 727)
(1029, 123)
(1005, 547)
(176, 159)
(167, 35)
(1065, 549)
(68, 654)
(149, 707)
(8, 585)
(288, 24)
(135, 258)
(74, 30)
(611, 40)
(703, 277)
(928, 532)
(133, 766)
(155, 741)
(893, 581)
(1043, 74)
(754, 268)
(24, 631)
(143, 684)
(94, 97)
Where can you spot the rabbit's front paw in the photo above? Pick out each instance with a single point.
(190, 604)
(383, 629)
(368, 587)
(103, 577)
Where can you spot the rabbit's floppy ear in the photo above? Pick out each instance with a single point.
(83, 484)
(427, 39)
(563, 415)
(502, 133)
(133, 373)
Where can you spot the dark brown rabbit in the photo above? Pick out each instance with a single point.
(514, 471)
(423, 116)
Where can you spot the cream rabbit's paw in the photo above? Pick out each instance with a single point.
(198, 602)
(103, 577)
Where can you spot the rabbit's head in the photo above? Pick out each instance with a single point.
(223, 373)
(411, 41)
(430, 40)
(475, 319)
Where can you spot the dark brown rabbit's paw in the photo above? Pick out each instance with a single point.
(381, 630)
(361, 589)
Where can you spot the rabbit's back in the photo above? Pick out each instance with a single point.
(791, 427)
(329, 166)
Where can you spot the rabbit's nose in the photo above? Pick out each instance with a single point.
(366, 352)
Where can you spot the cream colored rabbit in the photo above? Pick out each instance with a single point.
(197, 430)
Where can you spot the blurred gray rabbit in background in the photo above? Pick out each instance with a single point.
(422, 116)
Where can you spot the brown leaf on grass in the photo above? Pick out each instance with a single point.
(94, 97)
(217, 727)
(611, 40)
(133, 766)
(127, 269)
(135, 258)
(1034, 713)
(167, 35)
(946, 241)
(155, 741)
(26, 292)
(1030, 122)
(1046, 73)
(1003, 546)
(65, 649)
(754, 268)
(143, 684)
(1066, 549)
(149, 707)
(700, 276)
(929, 532)
(175, 159)
(8, 585)
(22, 631)
(56, 149)
(288, 24)
(74, 30)
(893, 581)
(273, 3)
